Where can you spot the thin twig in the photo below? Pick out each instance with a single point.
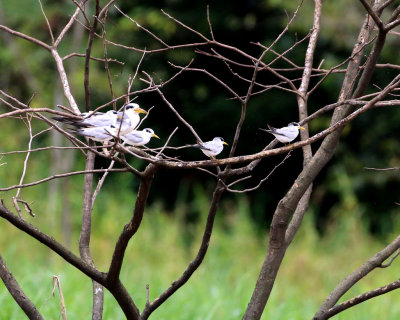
(385, 265)
(141, 27)
(166, 142)
(193, 265)
(25, 166)
(261, 181)
(26, 37)
(47, 22)
(209, 22)
(382, 169)
(62, 175)
(372, 13)
(178, 115)
(57, 283)
(66, 28)
(361, 298)
(101, 182)
(82, 55)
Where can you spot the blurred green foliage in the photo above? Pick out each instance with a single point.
(220, 289)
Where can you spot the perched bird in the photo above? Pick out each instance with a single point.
(102, 134)
(285, 134)
(212, 148)
(98, 119)
(139, 137)
(126, 120)
(131, 111)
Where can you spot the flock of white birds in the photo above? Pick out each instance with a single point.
(104, 127)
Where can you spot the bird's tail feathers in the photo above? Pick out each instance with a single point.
(193, 145)
(75, 130)
(271, 128)
(66, 119)
(203, 147)
(62, 119)
(197, 145)
(78, 124)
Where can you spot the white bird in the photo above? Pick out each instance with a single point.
(130, 112)
(102, 134)
(285, 134)
(212, 148)
(139, 137)
(127, 120)
(98, 119)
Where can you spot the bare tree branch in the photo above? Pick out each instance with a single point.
(26, 37)
(131, 227)
(62, 175)
(192, 267)
(302, 99)
(372, 13)
(261, 181)
(47, 22)
(375, 262)
(117, 289)
(287, 205)
(17, 293)
(178, 115)
(29, 127)
(52, 244)
(84, 238)
(67, 26)
(361, 298)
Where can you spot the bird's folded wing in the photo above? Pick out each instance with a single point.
(279, 132)
(134, 136)
(204, 147)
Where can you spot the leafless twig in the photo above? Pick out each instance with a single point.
(63, 175)
(57, 283)
(261, 181)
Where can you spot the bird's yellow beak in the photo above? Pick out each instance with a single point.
(225, 143)
(154, 135)
(140, 110)
(301, 128)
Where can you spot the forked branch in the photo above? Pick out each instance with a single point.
(328, 308)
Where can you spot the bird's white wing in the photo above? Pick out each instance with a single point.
(134, 137)
(101, 131)
(90, 114)
(101, 120)
(96, 133)
(282, 131)
(209, 145)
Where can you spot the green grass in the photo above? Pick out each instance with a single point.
(221, 287)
